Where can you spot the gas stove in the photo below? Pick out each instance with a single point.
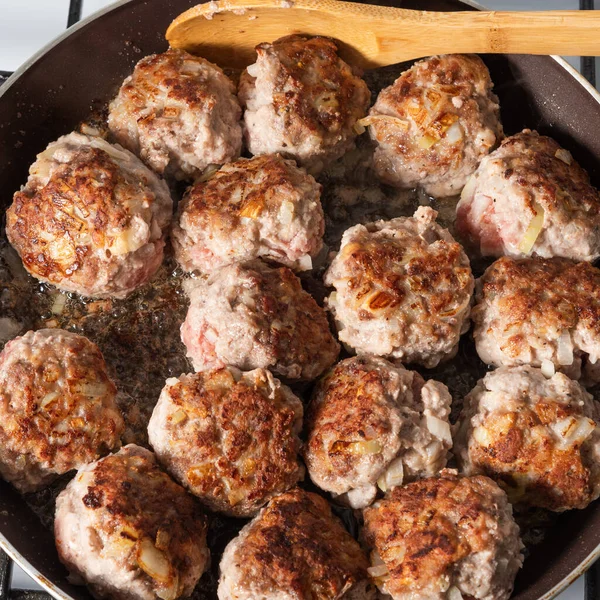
(27, 25)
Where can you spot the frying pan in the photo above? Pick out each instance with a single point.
(80, 71)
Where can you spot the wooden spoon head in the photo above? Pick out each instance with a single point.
(227, 32)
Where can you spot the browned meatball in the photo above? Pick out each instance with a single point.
(530, 197)
(231, 438)
(302, 100)
(540, 312)
(436, 122)
(264, 207)
(295, 549)
(537, 436)
(372, 424)
(57, 407)
(91, 218)
(253, 316)
(129, 531)
(178, 113)
(402, 289)
(444, 538)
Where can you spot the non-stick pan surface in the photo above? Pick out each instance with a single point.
(84, 69)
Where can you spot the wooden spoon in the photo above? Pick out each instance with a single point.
(370, 36)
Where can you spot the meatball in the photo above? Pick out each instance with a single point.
(435, 123)
(403, 289)
(302, 100)
(91, 218)
(57, 407)
(263, 207)
(295, 549)
(530, 197)
(178, 113)
(230, 438)
(129, 531)
(444, 538)
(536, 436)
(372, 424)
(540, 312)
(253, 316)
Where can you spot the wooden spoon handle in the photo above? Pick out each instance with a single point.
(568, 32)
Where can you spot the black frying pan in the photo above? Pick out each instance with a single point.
(83, 70)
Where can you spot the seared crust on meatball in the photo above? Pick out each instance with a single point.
(253, 316)
(263, 207)
(435, 536)
(90, 218)
(435, 123)
(533, 310)
(57, 407)
(372, 424)
(402, 289)
(536, 436)
(530, 197)
(178, 113)
(231, 438)
(302, 100)
(129, 531)
(295, 549)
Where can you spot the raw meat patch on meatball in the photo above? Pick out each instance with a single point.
(178, 113)
(129, 531)
(302, 100)
(57, 407)
(231, 438)
(436, 122)
(530, 197)
(253, 316)
(537, 311)
(295, 549)
(264, 207)
(402, 289)
(91, 218)
(371, 424)
(444, 538)
(536, 436)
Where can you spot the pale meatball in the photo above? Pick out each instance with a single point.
(253, 316)
(536, 436)
(91, 218)
(436, 122)
(178, 113)
(444, 538)
(540, 312)
(264, 207)
(57, 407)
(402, 289)
(129, 531)
(302, 100)
(371, 424)
(295, 549)
(230, 438)
(530, 197)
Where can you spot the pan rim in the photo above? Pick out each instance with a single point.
(5, 545)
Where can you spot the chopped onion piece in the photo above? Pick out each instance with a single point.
(179, 416)
(305, 263)
(358, 128)
(454, 593)
(565, 349)
(378, 571)
(49, 398)
(286, 212)
(533, 230)
(394, 476)
(153, 561)
(59, 304)
(564, 155)
(572, 430)
(547, 368)
(440, 429)
(381, 484)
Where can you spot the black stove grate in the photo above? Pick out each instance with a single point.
(592, 576)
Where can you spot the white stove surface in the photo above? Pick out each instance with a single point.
(28, 25)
